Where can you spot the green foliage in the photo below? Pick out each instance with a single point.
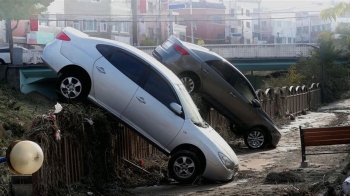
(147, 42)
(291, 78)
(21, 9)
(319, 67)
(322, 60)
(333, 12)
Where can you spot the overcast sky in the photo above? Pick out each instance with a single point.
(57, 6)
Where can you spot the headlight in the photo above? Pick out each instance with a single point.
(226, 161)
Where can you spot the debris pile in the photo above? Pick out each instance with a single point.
(283, 177)
(93, 131)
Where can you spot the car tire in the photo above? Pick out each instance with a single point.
(190, 81)
(256, 139)
(184, 166)
(72, 86)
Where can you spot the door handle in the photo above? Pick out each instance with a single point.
(232, 95)
(141, 99)
(205, 71)
(101, 69)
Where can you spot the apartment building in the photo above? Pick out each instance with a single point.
(110, 19)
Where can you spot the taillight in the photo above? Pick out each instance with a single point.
(180, 50)
(62, 36)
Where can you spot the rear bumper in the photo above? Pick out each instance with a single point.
(53, 58)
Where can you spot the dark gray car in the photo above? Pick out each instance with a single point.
(223, 86)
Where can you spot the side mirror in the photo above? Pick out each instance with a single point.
(256, 103)
(176, 108)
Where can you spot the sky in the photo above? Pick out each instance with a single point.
(283, 3)
(57, 6)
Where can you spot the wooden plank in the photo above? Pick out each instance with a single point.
(327, 137)
(326, 129)
(325, 133)
(327, 142)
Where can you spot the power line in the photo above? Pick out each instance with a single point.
(178, 20)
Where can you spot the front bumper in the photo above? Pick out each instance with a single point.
(219, 172)
(275, 138)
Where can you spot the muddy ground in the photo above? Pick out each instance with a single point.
(263, 172)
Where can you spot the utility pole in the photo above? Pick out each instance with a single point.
(158, 24)
(192, 39)
(134, 22)
(259, 21)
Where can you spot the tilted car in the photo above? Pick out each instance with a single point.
(139, 90)
(223, 86)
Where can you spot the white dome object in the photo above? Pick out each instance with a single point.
(26, 157)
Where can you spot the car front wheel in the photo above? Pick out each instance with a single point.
(190, 81)
(184, 166)
(255, 139)
(72, 87)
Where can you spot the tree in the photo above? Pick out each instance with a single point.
(343, 30)
(320, 67)
(20, 10)
(333, 12)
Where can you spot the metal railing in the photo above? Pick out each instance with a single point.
(224, 50)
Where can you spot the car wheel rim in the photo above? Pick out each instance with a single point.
(71, 87)
(188, 83)
(184, 167)
(255, 139)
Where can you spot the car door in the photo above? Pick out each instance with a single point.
(149, 110)
(116, 75)
(219, 80)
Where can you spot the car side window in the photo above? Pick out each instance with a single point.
(105, 50)
(6, 50)
(156, 86)
(239, 83)
(243, 87)
(224, 70)
(127, 64)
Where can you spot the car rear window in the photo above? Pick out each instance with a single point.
(166, 45)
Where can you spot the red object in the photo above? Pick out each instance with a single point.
(63, 36)
(180, 49)
(143, 6)
(142, 162)
(34, 23)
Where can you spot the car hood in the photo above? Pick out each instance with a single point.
(219, 141)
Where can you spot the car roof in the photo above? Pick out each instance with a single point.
(71, 32)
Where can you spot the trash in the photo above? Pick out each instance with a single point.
(90, 193)
(58, 108)
(346, 185)
(58, 135)
(89, 121)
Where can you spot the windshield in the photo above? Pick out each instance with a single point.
(189, 106)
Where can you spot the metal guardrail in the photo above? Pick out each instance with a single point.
(224, 50)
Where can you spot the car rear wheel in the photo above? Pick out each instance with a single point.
(190, 81)
(184, 166)
(72, 87)
(255, 139)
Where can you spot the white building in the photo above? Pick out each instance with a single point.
(239, 23)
